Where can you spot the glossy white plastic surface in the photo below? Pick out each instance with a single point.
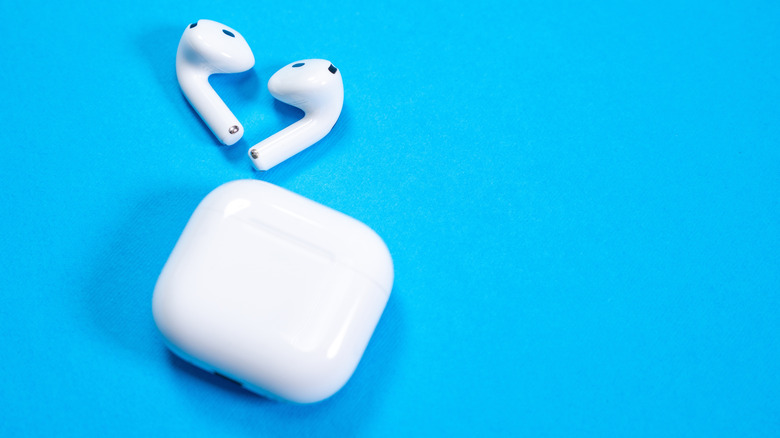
(273, 290)
(313, 85)
(206, 48)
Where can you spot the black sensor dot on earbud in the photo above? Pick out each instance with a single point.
(300, 64)
(333, 69)
(193, 25)
(228, 33)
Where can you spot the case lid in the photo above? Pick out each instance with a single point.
(320, 229)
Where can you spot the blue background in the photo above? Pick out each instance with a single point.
(582, 201)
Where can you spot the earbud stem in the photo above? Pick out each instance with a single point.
(289, 141)
(209, 105)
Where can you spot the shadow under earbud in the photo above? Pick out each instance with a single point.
(287, 113)
(159, 49)
(237, 89)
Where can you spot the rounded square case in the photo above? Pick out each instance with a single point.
(273, 290)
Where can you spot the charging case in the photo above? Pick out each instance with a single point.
(274, 291)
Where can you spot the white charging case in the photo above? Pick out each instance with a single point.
(274, 291)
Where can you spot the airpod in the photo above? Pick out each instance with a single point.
(206, 48)
(313, 85)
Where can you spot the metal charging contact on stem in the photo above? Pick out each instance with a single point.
(253, 153)
(233, 129)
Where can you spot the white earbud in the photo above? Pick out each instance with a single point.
(208, 47)
(313, 85)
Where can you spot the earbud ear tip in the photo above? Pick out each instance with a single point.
(303, 81)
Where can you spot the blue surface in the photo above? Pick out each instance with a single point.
(582, 202)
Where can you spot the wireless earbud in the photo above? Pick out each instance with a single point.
(205, 48)
(313, 85)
